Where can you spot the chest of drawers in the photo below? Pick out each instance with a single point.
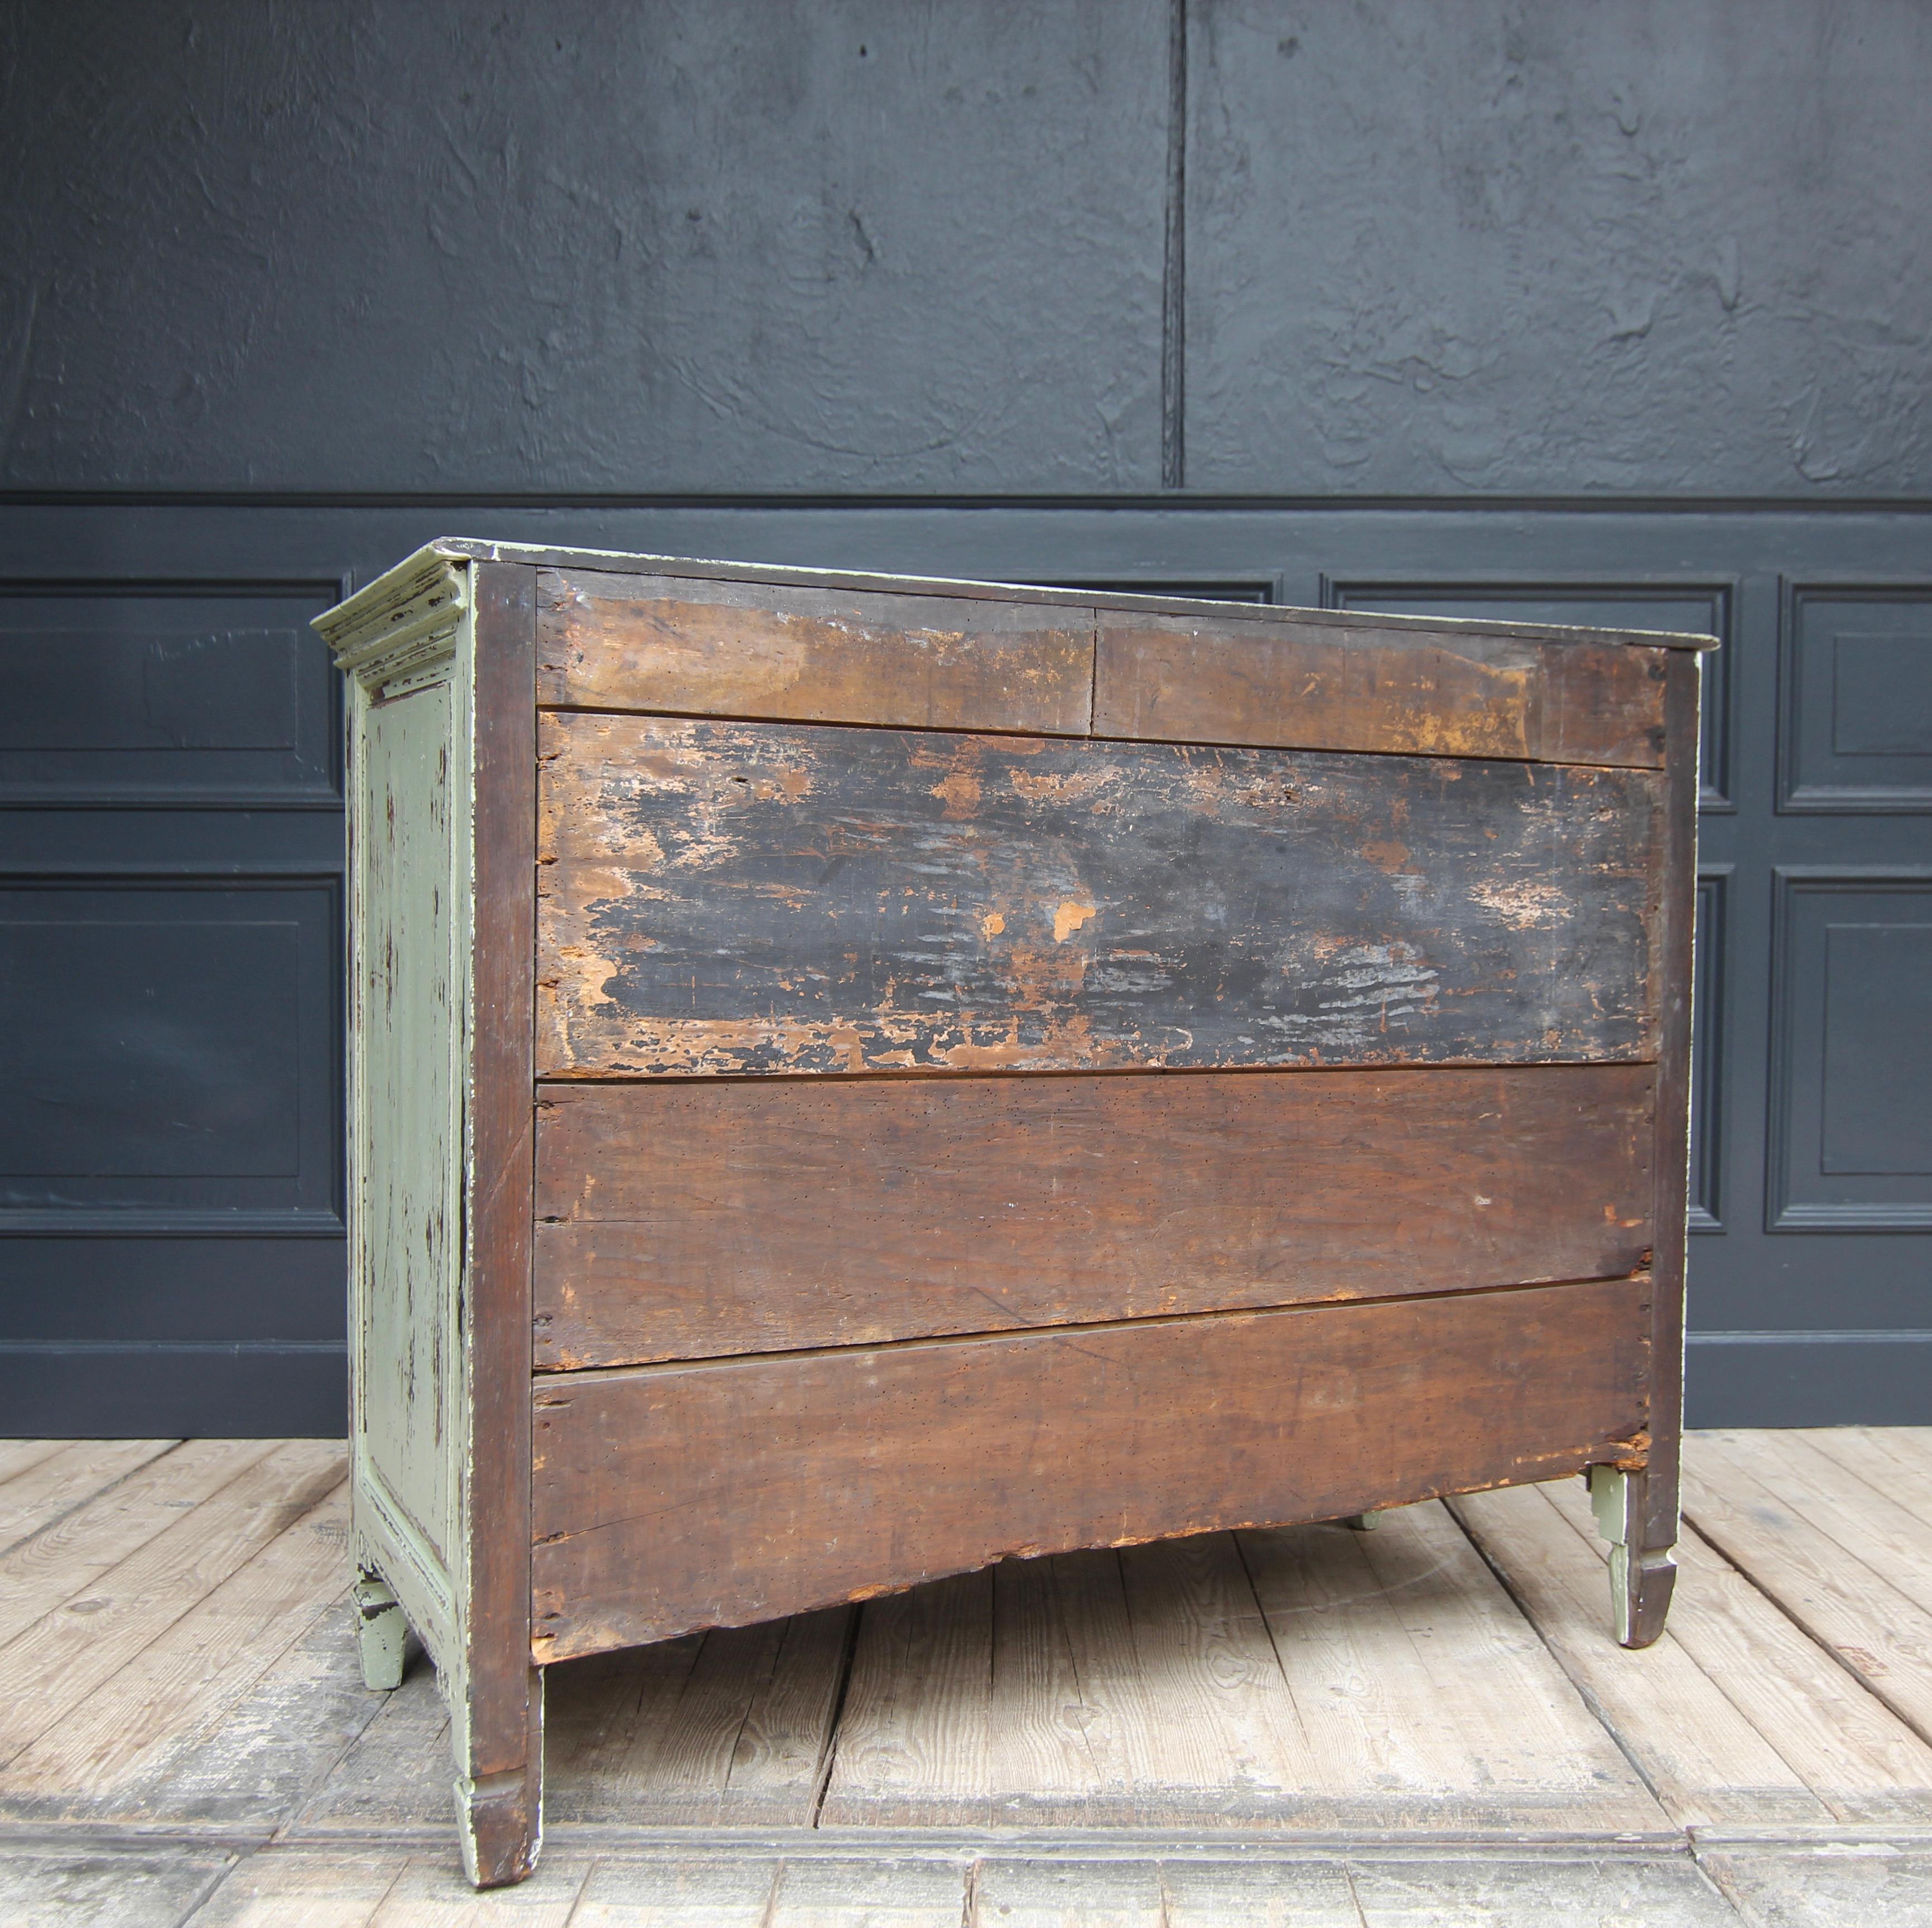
(856, 1078)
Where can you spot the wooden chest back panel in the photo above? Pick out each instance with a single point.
(695, 645)
(732, 898)
(1444, 693)
(691, 1219)
(671, 1497)
(1331, 955)
(815, 655)
(920, 1073)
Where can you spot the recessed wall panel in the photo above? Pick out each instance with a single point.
(1707, 1048)
(143, 697)
(1855, 699)
(1851, 1146)
(172, 1054)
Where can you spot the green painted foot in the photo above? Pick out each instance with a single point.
(381, 1632)
(1642, 1578)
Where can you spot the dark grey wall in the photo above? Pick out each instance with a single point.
(723, 244)
(1659, 246)
(1607, 312)
(1665, 246)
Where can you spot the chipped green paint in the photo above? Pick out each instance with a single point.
(407, 643)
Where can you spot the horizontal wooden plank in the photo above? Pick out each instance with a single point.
(687, 1219)
(388, 589)
(1442, 692)
(734, 897)
(671, 1498)
(819, 656)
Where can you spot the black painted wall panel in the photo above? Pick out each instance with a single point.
(1855, 731)
(1851, 1066)
(179, 1050)
(1646, 245)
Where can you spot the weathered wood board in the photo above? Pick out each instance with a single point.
(1442, 693)
(817, 655)
(670, 1497)
(722, 647)
(694, 1217)
(734, 897)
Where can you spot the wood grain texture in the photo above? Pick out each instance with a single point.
(1445, 692)
(501, 1792)
(1708, 1761)
(1650, 1574)
(1735, 1713)
(1416, 1675)
(680, 570)
(339, 1888)
(75, 1472)
(682, 1218)
(66, 1557)
(1895, 1461)
(57, 1661)
(811, 655)
(733, 897)
(1846, 1562)
(1309, 1678)
(196, 1669)
(1103, 1688)
(727, 1728)
(1858, 1757)
(671, 1497)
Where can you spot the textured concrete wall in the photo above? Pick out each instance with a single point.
(1664, 247)
(1657, 246)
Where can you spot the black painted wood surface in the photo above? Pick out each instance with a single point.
(731, 898)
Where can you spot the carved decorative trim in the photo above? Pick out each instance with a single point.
(397, 635)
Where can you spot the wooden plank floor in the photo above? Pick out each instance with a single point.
(1424, 1724)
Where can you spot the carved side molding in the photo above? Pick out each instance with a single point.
(399, 633)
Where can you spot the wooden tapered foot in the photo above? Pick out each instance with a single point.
(500, 1814)
(1641, 1575)
(499, 1825)
(1364, 1522)
(382, 1633)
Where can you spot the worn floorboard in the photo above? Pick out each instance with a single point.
(42, 1887)
(1857, 1884)
(1734, 1717)
(43, 1491)
(56, 1566)
(1830, 1561)
(1316, 1726)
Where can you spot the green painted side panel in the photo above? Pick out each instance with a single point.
(407, 646)
(408, 1367)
